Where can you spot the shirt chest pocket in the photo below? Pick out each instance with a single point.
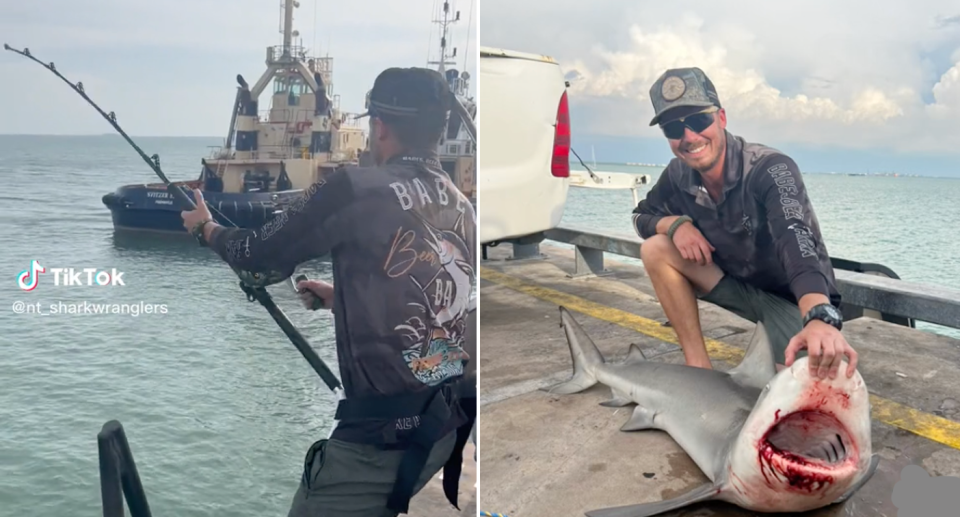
(739, 221)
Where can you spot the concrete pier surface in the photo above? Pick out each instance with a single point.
(549, 455)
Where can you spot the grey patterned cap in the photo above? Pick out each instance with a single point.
(682, 87)
(408, 92)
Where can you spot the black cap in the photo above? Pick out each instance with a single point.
(687, 87)
(408, 92)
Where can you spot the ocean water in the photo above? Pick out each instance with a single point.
(218, 406)
(905, 223)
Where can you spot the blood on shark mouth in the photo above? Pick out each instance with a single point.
(806, 451)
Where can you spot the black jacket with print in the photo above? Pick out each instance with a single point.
(763, 228)
(401, 238)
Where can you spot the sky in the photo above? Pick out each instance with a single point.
(850, 86)
(169, 68)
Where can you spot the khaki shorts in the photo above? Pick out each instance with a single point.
(780, 317)
(343, 479)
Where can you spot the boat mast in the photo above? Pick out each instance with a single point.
(444, 23)
(288, 6)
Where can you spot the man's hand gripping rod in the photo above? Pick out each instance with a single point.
(253, 284)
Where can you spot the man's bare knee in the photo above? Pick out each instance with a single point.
(657, 250)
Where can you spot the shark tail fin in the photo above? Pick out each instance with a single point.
(702, 493)
(585, 354)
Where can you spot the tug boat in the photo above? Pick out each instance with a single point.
(267, 160)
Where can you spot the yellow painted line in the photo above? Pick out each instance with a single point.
(932, 427)
(716, 349)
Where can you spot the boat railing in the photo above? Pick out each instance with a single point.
(264, 152)
(282, 54)
(460, 87)
(119, 479)
(350, 120)
(288, 115)
(218, 152)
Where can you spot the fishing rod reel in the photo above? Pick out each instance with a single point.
(316, 302)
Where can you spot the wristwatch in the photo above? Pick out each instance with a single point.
(826, 313)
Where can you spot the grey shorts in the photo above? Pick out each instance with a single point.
(346, 479)
(780, 317)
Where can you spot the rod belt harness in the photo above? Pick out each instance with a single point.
(433, 406)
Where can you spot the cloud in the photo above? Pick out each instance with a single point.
(947, 21)
(856, 74)
(168, 67)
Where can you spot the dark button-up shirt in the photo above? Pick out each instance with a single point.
(763, 227)
(401, 238)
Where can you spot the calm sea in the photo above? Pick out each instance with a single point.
(218, 406)
(905, 223)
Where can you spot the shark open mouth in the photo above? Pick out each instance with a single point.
(806, 450)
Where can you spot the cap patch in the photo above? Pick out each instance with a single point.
(672, 88)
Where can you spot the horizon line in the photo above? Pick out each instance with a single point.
(109, 134)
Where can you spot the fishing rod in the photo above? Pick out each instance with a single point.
(253, 284)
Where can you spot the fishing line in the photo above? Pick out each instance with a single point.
(252, 284)
(585, 166)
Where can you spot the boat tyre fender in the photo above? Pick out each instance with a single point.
(434, 407)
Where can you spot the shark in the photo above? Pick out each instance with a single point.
(768, 442)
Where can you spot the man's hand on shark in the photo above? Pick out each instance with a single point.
(826, 348)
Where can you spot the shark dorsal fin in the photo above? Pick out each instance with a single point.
(758, 366)
(634, 355)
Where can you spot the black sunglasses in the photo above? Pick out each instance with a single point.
(697, 122)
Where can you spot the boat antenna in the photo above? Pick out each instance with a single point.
(466, 55)
(444, 23)
(253, 284)
(595, 178)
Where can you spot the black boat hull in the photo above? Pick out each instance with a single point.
(152, 208)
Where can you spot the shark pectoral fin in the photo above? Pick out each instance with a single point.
(871, 469)
(617, 399)
(758, 365)
(703, 493)
(641, 419)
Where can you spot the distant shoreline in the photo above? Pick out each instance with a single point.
(577, 166)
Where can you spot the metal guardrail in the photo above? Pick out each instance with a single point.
(861, 285)
(119, 479)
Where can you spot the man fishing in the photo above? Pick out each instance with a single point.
(730, 222)
(401, 238)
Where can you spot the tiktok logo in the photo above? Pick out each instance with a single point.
(27, 279)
